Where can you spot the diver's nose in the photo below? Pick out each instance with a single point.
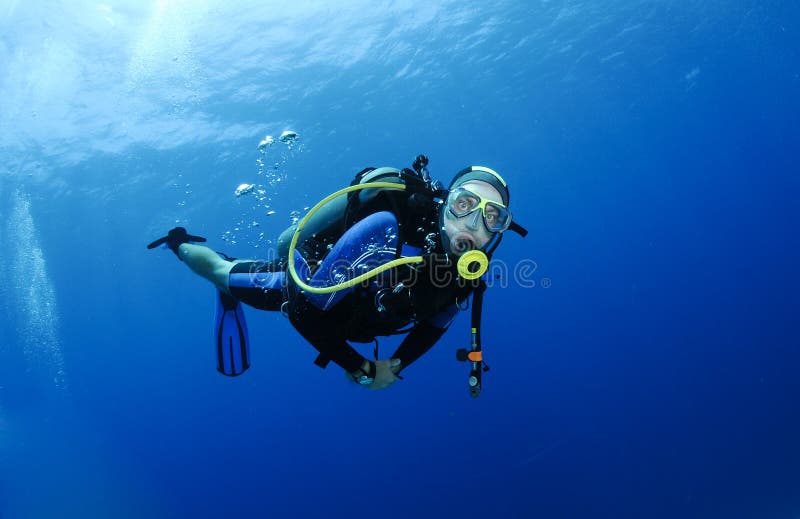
(473, 221)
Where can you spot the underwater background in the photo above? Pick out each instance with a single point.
(647, 365)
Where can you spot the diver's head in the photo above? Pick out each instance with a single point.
(475, 213)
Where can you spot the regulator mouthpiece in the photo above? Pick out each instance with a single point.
(473, 264)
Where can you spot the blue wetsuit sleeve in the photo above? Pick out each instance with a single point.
(370, 243)
(423, 336)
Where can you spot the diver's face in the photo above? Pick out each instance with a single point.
(469, 232)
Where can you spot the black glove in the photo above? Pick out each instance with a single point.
(174, 238)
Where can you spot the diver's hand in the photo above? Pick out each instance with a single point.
(385, 373)
(175, 238)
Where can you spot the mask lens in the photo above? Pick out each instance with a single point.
(462, 202)
(497, 218)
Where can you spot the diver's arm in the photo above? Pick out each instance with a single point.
(322, 330)
(341, 353)
(423, 336)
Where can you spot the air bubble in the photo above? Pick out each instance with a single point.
(267, 141)
(288, 136)
(244, 189)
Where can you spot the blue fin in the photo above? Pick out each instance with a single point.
(230, 336)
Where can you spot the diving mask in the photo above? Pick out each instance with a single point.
(462, 202)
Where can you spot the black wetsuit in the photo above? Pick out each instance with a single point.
(420, 301)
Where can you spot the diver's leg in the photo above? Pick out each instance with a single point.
(259, 284)
(255, 283)
(207, 263)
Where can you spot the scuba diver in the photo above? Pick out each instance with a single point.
(394, 253)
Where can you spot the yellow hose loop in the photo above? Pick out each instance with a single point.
(358, 279)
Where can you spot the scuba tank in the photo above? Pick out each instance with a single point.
(415, 206)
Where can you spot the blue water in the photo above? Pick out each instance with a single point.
(651, 149)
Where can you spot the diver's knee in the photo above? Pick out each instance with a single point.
(220, 275)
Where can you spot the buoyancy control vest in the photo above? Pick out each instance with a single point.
(418, 292)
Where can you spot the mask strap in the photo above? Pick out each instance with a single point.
(517, 228)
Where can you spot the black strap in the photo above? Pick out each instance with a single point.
(517, 228)
(322, 361)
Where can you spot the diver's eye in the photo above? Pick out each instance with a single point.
(465, 203)
(491, 216)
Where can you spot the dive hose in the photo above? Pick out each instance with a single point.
(471, 265)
